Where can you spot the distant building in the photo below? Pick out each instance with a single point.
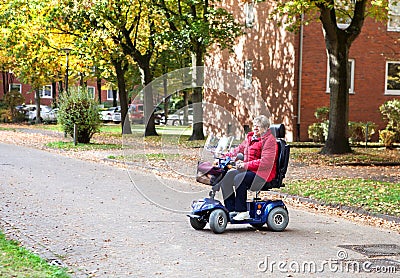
(49, 93)
(290, 71)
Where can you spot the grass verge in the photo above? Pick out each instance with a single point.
(372, 196)
(82, 147)
(16, 261)
(367, 156)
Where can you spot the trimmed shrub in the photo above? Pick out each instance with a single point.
(387, 138)
(390, 111)
(318, 132)
(78, 108)
(322, 113)
(357, 131)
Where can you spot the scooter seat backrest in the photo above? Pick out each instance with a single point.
(283, 158)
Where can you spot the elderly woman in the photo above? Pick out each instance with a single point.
(260, 152)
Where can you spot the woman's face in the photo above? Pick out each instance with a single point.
(257, 130)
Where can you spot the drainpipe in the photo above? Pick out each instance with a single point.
(300, 76)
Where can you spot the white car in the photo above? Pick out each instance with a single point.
(47, 114)
(177, 118)
(116, 118)
(51, 116)
(107, 115)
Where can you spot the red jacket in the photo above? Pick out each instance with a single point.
(260, 155)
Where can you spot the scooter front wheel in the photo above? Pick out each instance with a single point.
(197, 224)
(218, 221)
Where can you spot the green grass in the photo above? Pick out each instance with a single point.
(359, 155)
(82, 147)
(373, 196)
(7, 128)
(149, 156)
(16, 261)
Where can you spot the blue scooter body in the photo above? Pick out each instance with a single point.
(258, 210)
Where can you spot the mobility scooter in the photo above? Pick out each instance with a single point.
(273, 213)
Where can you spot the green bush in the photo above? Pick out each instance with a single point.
(387, 138)
(11, 100)
(322, 113)
(318, 132)
(357, 131)
(390, 111)
(78, 108)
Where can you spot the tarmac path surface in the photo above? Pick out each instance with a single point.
(91, 218)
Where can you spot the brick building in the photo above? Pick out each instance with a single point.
(289, 71)
(49, 93)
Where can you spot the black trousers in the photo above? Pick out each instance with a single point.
(235, 200)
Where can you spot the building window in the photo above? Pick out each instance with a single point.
(394, 16)
(91, 91)
(110, 94)
(248, 74)
(15, 87)
(351, 66)
(249, 13)
(392, 82)
(46, 91)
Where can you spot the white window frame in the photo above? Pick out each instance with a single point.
(248, 74)
(13, 86)
(249, 13)
(110, 94)
(91, 91)
(389, 91)
(352, 68)
(394, 13)
(43, 90)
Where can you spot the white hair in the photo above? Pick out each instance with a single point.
(262, 121)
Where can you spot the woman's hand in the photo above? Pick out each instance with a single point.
(240, 165)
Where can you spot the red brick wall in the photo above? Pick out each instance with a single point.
(370, 50)
(273, 52)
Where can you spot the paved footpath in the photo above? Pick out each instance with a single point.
(91, 218)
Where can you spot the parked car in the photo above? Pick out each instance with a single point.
(177, 118)
(51, 116)
(47, 114)
(136, 113)
(159, 116)
(107, 115)
(116, 117)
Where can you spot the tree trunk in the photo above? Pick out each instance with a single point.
(123, 98)
(338, 42)
(4, 79)
(166, 98)
(338, 139)
(150, 127)
(54, 94)
(114, 96)
(197, 133)
(37, 100)
(98, 84)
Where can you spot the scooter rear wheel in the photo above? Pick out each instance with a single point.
(218, 221)
(278, 219)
